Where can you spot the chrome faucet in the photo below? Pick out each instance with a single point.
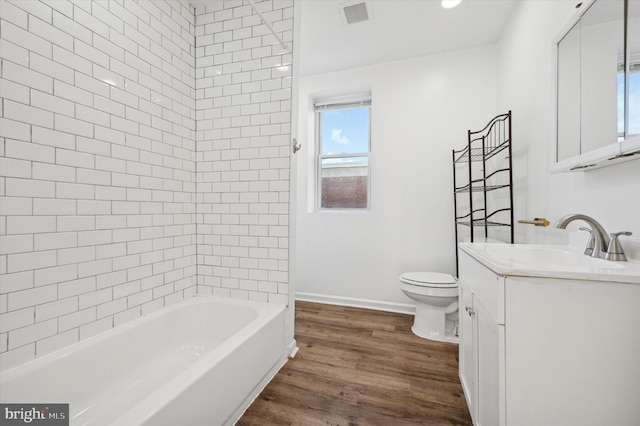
(599, 245)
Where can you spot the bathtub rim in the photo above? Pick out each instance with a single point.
(17, 370)
(148, 406)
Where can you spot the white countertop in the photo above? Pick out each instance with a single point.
(550, 261)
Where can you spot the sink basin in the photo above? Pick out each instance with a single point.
(550, 261)
(546, 256)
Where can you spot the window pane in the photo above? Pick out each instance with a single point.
(344, 183)
(621, 112)
(344, 131)
(634, 103)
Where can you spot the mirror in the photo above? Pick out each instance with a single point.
(633, 73)
(598, 82)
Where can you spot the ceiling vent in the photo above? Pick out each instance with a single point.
(354, 12)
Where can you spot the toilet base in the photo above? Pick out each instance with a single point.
(431, 323)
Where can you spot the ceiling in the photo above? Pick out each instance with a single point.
(398, 29)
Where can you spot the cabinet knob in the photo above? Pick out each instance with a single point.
(469, 310)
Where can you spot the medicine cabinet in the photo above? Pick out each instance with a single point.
(597, 100)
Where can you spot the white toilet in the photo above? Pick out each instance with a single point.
(436, 297)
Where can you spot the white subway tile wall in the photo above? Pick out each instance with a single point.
(97, 167)
(144, 157)
(243, 109)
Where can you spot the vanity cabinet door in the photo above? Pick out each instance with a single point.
(488, 353)
(467, 347)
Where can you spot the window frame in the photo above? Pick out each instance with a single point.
(319, 106)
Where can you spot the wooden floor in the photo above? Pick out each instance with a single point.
(362, 367)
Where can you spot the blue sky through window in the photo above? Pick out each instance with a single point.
(634, 103)
(345, 131)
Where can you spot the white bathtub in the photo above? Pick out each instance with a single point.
(200, 362)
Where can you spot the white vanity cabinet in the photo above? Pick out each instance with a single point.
(548, 351)
(482, 339)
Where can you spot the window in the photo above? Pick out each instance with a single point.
(633, 126)
(343, 148)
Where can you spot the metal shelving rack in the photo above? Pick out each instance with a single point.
(483, 145)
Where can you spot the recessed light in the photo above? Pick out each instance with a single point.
(450, 4)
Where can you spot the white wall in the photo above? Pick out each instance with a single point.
(611, 195)
(421, 109)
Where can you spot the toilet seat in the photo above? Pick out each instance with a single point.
(429, 279)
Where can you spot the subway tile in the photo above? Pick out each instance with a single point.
(104, 15)
(103, 44)
(46, 31)
(53, 138)
(91, 84)
(55, 240)
(95, 298)
(56, 309)
(29, 188)
(14, 91)
(94, 238)
(94, 207)
(91, 115)
(15, 168)
(28, 261)
(109, 135)
(76, 319)
(94, 268)
(32, 297)
(85, 19)
(14, 129)
(75, 159)
(125, 316)
(16, 243)
(55, 342)
(111, 308)
(71, 60)
(48, 206)
(110, 222)
(62, 6)
(51, 103)
(126, 289)
(15, 15)
(107, 105)
(16, 206)
(71, 125)
(16, 319)
(110, 193)
(76, 287)
(55, 275)
(16, 282)
(111, 279)
(95, 327)
(27, 77)
(32, 333)
(75, 223)
(75, 191)
(26, 39)
(53, 172)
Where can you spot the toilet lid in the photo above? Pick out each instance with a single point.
(429, 279)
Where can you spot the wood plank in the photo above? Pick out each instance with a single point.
(361, 367)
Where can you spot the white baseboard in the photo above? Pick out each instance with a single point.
(403, 308)
(292, 349)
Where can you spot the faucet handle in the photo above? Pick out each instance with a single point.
(614, 251)
(616, 234)
(591, 243)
